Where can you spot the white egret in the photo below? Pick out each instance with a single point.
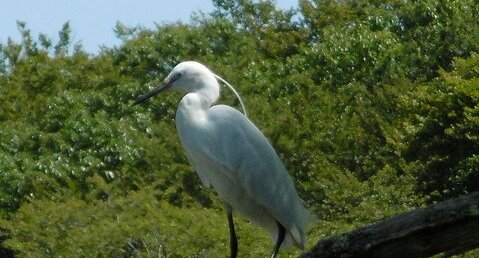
(231, 154)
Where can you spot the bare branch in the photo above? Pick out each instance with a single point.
(449, 227)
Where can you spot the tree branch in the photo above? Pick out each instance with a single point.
(449, 227)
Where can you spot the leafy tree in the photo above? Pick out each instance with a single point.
(373, 41)
(442, 146)
(136, 225)
(370, 104)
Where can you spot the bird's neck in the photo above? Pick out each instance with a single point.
(191, 113)
(208, 95)
(193, 105)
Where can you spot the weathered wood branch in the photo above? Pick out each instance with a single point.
(450, 227)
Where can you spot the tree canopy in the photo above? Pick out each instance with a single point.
(372, 105)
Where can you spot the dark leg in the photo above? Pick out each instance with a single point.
(233, 240)
(279, 241)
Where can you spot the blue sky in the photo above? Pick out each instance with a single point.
(92, 21)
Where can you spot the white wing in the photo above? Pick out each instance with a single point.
(232, 142)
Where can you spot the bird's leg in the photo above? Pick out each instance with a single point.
(279, 241)
(233, 239)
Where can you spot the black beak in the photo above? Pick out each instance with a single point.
(165, 85)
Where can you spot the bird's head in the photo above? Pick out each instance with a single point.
(189, 76)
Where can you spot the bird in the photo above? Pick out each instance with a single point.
(231, 155)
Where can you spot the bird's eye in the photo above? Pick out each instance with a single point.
(175, 76)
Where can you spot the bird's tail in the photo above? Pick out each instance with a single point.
(304, 219)
(295, 232)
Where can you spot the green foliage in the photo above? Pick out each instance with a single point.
(372, 106)
(137, 225)
(443, 146)
(374, 41)
(61, 48)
